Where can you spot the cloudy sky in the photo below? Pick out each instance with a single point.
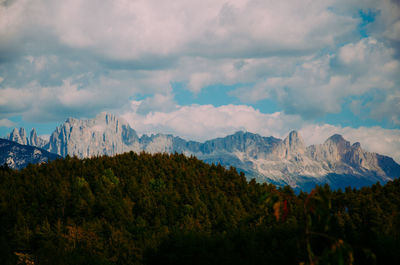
(202, 69)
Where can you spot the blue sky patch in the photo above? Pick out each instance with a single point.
(367, 17)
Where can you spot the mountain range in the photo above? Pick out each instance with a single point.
(267, 159)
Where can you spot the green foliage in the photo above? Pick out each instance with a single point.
(172, 209)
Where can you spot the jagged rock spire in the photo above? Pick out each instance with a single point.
(18, 136)
(294, 141)
(33, 139)
(294, 145)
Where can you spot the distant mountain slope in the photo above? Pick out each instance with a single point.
(268, 159)
(18, 156)
(289, 161)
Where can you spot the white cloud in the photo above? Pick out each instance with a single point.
(54, 103)
(15, 100)
(393, 32)
(6, 123)
(387, 24)
(388, 108)
(159, 102)
(203, 122)
(320, 84)
(138, 29)
(302, 92)
(199, 80)
(126, 29)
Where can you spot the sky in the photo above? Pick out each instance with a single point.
(205, 69)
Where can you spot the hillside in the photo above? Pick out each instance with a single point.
(171, 209)
(19, 156)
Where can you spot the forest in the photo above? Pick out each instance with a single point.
(172, 209)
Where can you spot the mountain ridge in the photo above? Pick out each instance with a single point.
(268, 159)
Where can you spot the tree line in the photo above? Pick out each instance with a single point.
(172, 209)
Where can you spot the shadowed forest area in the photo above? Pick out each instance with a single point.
(171, 209)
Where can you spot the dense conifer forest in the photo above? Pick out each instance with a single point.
(171, 209)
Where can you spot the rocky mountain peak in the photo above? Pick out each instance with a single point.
(336, 138)
(107, 118)
(18, 136)
(33, 132)
(292, 147)
(110, 118)
(14, 135)
(105, 134)
(293, 134)
(33, 137)
(35, 140)
(337, 144)
(71, 120)
(294, 141)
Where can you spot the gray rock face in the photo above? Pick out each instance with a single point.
(18, 136)
(85, 138)
(35, 140)
(267, 159)
(18, 156)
